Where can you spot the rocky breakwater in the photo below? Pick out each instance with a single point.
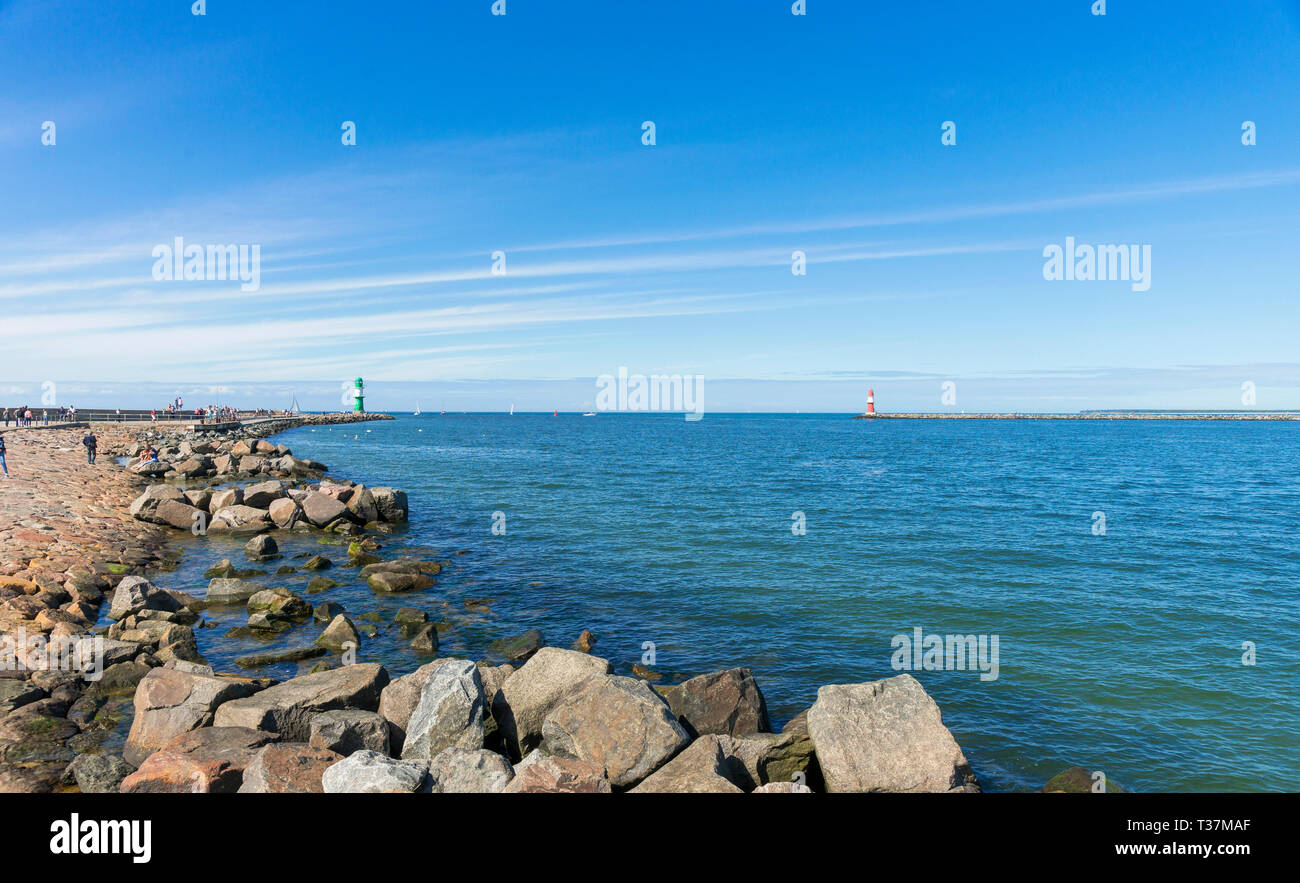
(211, 456)
(66, 541)
(560, 722)
(338, 506)
(75, 537)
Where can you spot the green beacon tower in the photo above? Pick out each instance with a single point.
(358, 396)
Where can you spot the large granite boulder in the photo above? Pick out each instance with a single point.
(263, 494)
(180, 515)
(391, 503)
(207, 760)
(280, 604)
(288, 708)
(617, 722)
(228, 590)
(469, 771)
(523, 701)
(369, 772)
(702, 768)
(340, 634)
(262, 548)
(239, 519)
(885, 736)
(392, 581)
(361, 505)
(224, 499)
(449, 714)
(558, 775)
(350, 730)
(322, 509)
(398, 701)
(135, 594)
(727, 703)
(169, 702)
(285, 513)
(145, 506)
(194, 467)
(287, 768)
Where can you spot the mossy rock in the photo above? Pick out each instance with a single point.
(410, 615)
(1077, 780)
(520, 647)
(225, 570)
(319, 584)
(293, 654)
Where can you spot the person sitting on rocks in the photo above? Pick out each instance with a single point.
(148, 454)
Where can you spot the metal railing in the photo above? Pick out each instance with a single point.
(132, 415)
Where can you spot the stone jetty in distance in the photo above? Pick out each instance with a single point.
(1089, 415)
(1108, 414)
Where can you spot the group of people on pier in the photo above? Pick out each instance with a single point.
(24, 416)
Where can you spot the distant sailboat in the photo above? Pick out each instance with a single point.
(293, 408)
(512, 409)
(417, 408)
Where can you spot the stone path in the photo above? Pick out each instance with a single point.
(59, 513)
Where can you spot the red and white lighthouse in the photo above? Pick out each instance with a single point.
(871, 401)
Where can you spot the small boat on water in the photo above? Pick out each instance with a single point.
(589, 414)
(417, 409)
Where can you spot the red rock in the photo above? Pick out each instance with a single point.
(207, 760)
(288, 768)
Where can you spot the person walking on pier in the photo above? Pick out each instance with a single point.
(3, 465)
(91, 444)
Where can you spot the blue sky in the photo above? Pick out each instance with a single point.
(775, 133)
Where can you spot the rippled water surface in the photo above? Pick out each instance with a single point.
(1119, 652)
